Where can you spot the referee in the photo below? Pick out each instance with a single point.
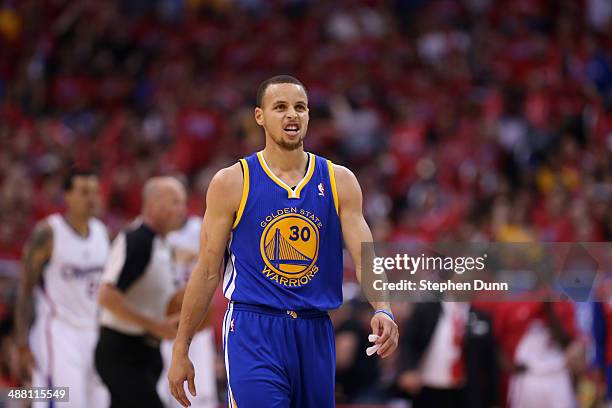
(136, 286)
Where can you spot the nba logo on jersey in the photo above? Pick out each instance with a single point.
(321, 190)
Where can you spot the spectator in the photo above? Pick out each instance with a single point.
(449, 358)
(357, 374)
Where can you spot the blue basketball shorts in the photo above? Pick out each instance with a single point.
(278, 358)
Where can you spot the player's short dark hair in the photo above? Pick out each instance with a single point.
(279, 79)
(74, 173)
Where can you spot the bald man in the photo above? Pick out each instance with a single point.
(137, 285)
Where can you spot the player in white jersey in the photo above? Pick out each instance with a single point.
(186, 245)
(62, 266)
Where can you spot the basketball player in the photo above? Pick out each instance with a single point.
(185, 244)
(284, 213)
(62, 266)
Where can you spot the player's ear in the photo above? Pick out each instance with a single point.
(259, 116)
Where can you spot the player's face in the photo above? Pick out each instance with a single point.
(84, 197)
(284, 115)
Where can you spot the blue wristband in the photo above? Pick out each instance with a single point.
(387, 312)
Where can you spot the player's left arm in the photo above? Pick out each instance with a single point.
(355, 230)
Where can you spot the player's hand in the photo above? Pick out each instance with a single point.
(165, 329)
(410, 381)
(383, 326)
(27, 364)
(181, 370)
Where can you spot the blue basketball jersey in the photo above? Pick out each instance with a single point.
(285, 250)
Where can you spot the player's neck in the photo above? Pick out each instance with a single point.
(281, 160)
(79, 224)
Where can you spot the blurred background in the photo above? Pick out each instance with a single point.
(463, 120)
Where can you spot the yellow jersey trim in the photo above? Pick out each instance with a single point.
(309, 173)
(245, 192)
(290, 192)
(332, 181)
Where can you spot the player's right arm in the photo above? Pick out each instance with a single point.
(222, 202)
(36, 253)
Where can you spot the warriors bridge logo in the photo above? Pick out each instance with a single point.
(289, 246)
